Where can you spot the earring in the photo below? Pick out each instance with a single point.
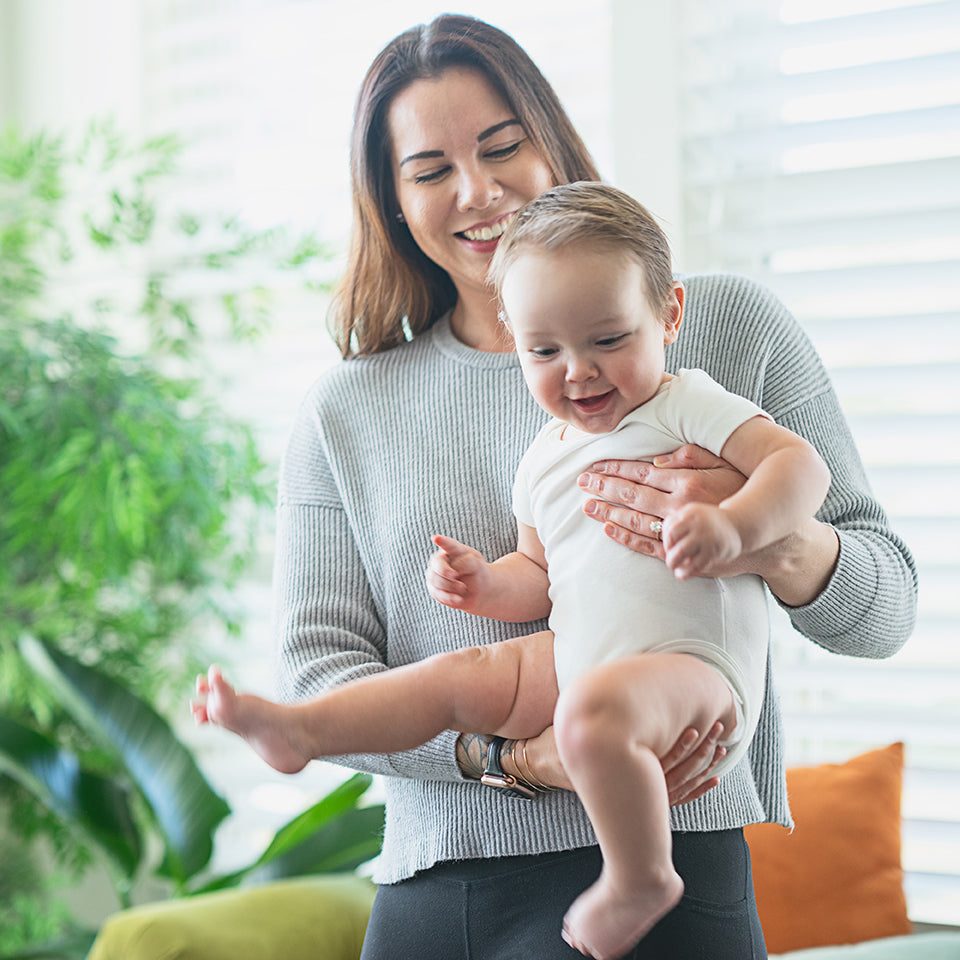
(400, 218)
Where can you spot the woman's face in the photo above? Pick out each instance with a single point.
(462, 166)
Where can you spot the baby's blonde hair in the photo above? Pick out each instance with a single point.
(595, 215)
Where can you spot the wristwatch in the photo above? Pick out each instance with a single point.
(493, 775)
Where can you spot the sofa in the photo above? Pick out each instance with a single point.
(832, 889)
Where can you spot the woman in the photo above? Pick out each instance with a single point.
(420, 429)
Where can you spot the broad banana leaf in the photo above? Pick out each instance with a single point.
(186, 809)
(99, 807)
(331, 836)
(354, 837)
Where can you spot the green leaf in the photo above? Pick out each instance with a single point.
(343, 844)
(302, 827)
(331, 836)
(186, 809)
(73, 946)
(97, 806)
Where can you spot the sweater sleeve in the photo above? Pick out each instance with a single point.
(868, 608)
(326, 622)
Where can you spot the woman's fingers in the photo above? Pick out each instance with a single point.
(687, 766)
(690, 457)
(640, 487)
(637, 531)
(688, 475)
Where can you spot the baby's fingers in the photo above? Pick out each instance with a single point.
(449, 546)
(684, 558)
(198, 706)
(446, 590)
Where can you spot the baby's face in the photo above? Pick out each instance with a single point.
(590, 345)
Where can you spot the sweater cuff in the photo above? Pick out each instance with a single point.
(845, 603)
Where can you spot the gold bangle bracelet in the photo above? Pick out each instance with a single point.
(531, 779)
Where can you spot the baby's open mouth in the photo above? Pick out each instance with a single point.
(589, 404)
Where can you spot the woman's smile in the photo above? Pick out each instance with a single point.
(486, 232)
(462, 166)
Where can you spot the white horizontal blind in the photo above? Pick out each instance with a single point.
(821, 155)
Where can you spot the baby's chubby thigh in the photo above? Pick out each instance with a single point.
(644, 699)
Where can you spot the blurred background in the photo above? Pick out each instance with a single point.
(812, 145)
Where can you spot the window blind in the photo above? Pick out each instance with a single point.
(820, 154)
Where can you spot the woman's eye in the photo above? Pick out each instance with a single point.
(430, 177)
(502, 153)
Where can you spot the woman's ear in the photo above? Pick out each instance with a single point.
(673, 313)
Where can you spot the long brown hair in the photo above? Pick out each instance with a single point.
(391, 289)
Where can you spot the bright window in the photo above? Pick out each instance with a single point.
(819, 152)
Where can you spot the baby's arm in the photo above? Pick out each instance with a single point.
(787, 481)
(513, 588)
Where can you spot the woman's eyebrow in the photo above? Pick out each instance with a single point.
(484, 135)
(490, 131)
(422, 155)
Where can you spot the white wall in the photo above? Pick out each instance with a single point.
(645, 111)
(67, 61)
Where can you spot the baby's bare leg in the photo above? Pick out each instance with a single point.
(506, 688)
(612, 727)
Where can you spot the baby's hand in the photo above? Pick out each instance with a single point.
(699, 540)
(457, 574)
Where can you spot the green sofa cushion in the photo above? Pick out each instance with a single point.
(310, 918)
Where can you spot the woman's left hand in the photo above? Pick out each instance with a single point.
(687, 766)
(632, 494)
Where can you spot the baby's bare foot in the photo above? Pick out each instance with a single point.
(605, 923)
(270, 728)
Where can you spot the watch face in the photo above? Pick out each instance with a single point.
(493, 775)
(510, 786)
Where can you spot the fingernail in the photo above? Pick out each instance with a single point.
(584, 479)
(660, 460)
(590, 507)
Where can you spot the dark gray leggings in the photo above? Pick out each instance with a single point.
(512, 908)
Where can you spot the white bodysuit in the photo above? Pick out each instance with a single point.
(609, 601)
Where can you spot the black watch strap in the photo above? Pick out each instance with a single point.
(493, 775)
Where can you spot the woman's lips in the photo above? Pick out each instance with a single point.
(489, 231)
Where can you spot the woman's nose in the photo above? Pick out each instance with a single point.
(477, 190)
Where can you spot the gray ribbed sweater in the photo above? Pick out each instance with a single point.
(390, 449)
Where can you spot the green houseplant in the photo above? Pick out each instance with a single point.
(155, 791)
(129, 499)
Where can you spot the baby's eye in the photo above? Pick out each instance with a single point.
(611, 341)
(543, 352)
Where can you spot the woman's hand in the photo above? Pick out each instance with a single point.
(686, 766)
(632, 494)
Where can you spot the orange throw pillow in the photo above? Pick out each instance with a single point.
(837, 878)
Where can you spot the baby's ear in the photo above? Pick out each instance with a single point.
(673, 313)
